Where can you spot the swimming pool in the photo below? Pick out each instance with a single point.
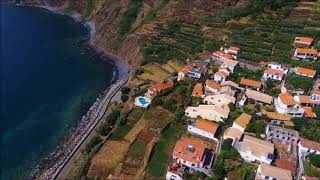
(143, 101)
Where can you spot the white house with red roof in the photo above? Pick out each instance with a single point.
(221, 56)
(286, 104)
(232, 50)
(184, 72)
(211, 87)
(273, 74)
(229, 65)
(158, 88)
(194, 153)
(205, 129)
(221, 75)
(304, 42)
(305, 72)
(305, 53)
(278, 66)
(308, 147)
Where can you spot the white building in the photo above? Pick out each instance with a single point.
(221, 56)
(273, 74)
(238, 127)
(221, 75)
(253, 149)
(184, 72)
(305, 53)
(278, 66)
(210, 112)
(219, 99)
(286, 104)
(268, 172)
(230, 65)
(308, 147)
(204, 128)
(212, 87)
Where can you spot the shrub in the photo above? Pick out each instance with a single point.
(93, 142)
(129, 16)
(124, 98)
(113, 117)
(157, 101)
(170, 105)
(315, 160)
(104, 129)
(125, 90)
(227, 144)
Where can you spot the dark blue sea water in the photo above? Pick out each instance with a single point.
(47, 84)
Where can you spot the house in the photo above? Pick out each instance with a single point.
(286, 104)
(227, 90)
(230, 65)
(277, 118)
(210, 112)
(250, 84)
(221, 75)
(263, 64)
(305, 72)
(212, 87)
(232, 50)
(308, 147)
(221, 56)
(193, 153)
(258, 96)
(175, 171)
(195, 73)
(219, 99)
(286, 164)
(239, 125)
(305, 53)
(278, 66)
(306, 101)
(273, 74)
(202, 67)
(158, 88)
(303, 42)
(184, 72)
(316, 85)
(308, 112)
(282, 135)
(197, 90)
(315, 94)
(269, 172)
(205, 128)
(231, 84)
(253, 149)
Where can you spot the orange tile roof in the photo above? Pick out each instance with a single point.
(317, 92)
(310, 144)
(309, 112)
(233, 48)
(186, 69)
(308, 72)
(207, 126)
(278, 116)
(287, 99)
(243, 120)
(212, 84)
(264, 63)
(285, 164)
(249, 82)
(222, 54)
(307, 51)
(202, 67)
(222, 73)
(304, 99)
(197, 90)
(181, 150)
(161, 86)
(274, 72)
(303, 40)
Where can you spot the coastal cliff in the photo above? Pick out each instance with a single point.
(121, 24)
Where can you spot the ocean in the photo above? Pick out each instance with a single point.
(48, 82)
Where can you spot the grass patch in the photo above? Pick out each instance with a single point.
(246, 73)
(310, 170)
(120, 132)
(129, 16)
(299, 82)
(163, 149)
(138, 148)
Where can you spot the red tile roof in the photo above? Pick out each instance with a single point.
(303, 40)
(304, 99)
(310, 144)
(309, 112)
(307, 51)
(197, 90)
(278, 116)
(249, 82)
(181, 150)
(186, 69)
(317, 92)
(305, 71)
(233, 48)
(285, 164)
(207, 126)
(274, 72)
(222, 73)
(222, 54)
(287, 99)
(203, 68)
(161, 86)
(212, 84)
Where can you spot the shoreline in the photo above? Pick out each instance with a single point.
(50, 166)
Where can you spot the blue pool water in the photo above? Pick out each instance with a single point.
(143, 101)
(48, 82)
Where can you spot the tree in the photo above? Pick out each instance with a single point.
(227, 144)
(315, 159)
(170, 105)
(179, 113)
(125, 90)
(124, 98)
(113, 117)
(157, 101)
(104, 129)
